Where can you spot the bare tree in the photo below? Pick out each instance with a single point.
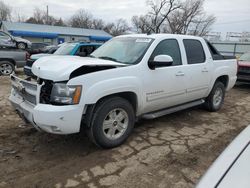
(201, 25)
(119, 27)
(160, 11)
(173, 16)
(5, 12)
(81, 19)
(190, 19)
(41, 17)
(38, 17)
(98, 24)
(142, 24)
(59, 22)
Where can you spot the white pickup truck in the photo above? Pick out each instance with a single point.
(128, 78)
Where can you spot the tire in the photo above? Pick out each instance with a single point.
(21, 45)
(6, 68)
(119, 116)
(215, 99)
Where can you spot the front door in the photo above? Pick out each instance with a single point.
(165, 87)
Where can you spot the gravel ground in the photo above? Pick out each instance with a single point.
(172, 151)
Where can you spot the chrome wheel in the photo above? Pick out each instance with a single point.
(218, 97)
(21, 46)
(115, 124)
(6, 69)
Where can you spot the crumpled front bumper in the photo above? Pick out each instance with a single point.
(46, 117)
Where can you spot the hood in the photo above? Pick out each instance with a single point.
(37, 56)
(59, 68)
(18, 39)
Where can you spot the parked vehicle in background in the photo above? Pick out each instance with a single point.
(76, 48)
(37, 48)
(11, 58)
(244, 68)
(129, 77)
(232, 168)
(6, 40)
(50, 49)
(46, 51)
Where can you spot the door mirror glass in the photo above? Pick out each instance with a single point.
(161, 61)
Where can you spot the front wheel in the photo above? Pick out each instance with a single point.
(112, 123)
(21, 45)
(215, 99)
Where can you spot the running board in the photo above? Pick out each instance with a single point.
(171, 110)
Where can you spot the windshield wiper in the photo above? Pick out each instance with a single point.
(109, 58)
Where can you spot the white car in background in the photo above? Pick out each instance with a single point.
(232, 168)
(6, 40)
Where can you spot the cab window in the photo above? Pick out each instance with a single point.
(194, 50)
(168, 47)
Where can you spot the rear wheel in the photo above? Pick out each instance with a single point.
(112, 123)
(6, 68)
(215, 99)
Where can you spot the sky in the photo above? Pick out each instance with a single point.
(232, 15)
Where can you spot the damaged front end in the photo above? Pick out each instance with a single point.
(34, 103)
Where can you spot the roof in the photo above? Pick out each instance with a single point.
(161, 36)
(18, 27)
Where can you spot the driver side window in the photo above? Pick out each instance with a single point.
(168, 47)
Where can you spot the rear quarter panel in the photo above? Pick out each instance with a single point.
(225, 68)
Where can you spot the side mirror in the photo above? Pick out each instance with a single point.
(161, 61)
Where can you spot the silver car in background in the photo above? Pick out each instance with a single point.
(6, 40)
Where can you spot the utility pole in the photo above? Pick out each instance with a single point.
(47, 13)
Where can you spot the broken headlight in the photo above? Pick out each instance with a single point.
(64, 94)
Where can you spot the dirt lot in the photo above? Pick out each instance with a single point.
(172, 151)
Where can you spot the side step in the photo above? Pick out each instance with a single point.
(171, 110)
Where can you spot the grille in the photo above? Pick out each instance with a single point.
(30, 62)
(27, 90)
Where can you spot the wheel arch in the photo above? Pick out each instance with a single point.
(130, 96)
(223, 79)
(9, 60)
(25, 44)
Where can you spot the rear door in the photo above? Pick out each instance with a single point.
(198, 69)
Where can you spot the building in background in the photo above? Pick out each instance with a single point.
(53, 34)
(213, 36)
(236, 36)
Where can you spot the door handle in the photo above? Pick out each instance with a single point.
(180, 74)
(205, 70)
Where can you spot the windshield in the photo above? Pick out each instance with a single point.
(65, 49)
(127, 50)
(245, 57)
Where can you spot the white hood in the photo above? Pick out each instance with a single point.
(59, 68)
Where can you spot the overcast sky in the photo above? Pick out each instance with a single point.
(232, 15)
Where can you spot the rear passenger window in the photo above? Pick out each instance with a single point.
(168, 47)
(194, 51)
